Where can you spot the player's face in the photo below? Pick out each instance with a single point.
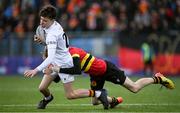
(45, 22)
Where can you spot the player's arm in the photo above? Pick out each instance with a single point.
(76, 69)
(51, 50)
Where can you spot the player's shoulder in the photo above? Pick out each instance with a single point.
(56, 29)
(56, 25)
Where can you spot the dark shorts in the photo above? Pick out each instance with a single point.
(112, 74)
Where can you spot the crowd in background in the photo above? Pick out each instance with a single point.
(21, 16)
(93, 15)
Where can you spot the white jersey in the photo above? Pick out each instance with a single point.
(57, 45)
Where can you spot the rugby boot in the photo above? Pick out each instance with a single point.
(164, 81)
(43, 103)
(116, 101)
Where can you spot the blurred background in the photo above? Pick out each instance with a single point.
(139, 36)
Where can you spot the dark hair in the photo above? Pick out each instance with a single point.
(48, 11)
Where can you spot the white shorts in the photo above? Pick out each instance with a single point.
(66, 78)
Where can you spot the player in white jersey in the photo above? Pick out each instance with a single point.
(58, 54)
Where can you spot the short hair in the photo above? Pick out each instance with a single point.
(48, 11)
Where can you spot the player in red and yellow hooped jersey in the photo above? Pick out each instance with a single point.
(102, 70)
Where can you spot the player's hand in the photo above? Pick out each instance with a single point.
(55, 68)
(52, 68)
(30, 73)
(38, 39)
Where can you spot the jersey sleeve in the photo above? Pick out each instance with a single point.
(51, 41)
(51, 46)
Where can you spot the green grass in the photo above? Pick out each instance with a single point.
(19, 94)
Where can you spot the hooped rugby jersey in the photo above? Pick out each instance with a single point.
(89, 63)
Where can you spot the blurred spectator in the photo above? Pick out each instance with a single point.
(111, 21)
(134, 15)
(143, 6)
(30, 23)
(73, 22)
(148, 56)
(94, 17)
(157, 21)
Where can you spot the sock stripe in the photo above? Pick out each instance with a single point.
(157, 80)
(154, 78)
(91, 93)
(160, 80)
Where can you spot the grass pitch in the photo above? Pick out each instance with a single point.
(19, 94)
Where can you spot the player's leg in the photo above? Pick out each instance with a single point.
(43, 88)
(117, 76)
(143, 82)
(45, 82)
(74, 94)
(70, 93)
(80, 93)
(138, 85)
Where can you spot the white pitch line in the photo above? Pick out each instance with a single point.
(89, 112)
(53, 105)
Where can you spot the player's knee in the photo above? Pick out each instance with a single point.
(135, 88)
(70, 96)
(42, 89)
